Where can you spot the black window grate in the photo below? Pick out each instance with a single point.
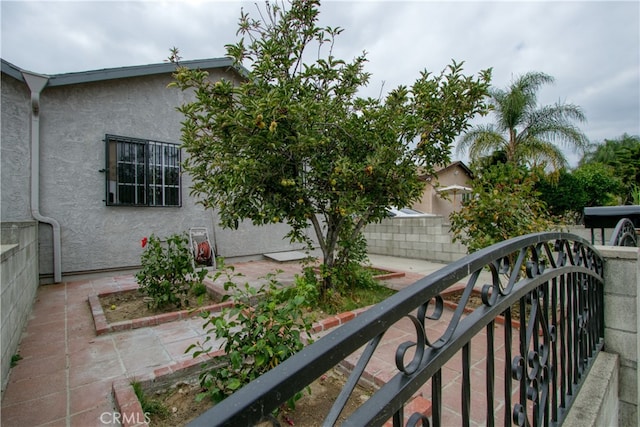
(142, 172)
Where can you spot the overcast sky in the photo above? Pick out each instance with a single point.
(591, 48)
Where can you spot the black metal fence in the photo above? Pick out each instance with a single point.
(624, 234)
(522, 353)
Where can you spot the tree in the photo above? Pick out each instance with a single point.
(600, 184)
(564, 194)
(525, 132)
(623, 156)
(505, 204)
(294, 143)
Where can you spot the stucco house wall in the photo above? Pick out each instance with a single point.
(457, 173)
(74, 119)
(14, 150)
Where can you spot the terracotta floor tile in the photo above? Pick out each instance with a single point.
(90, 396)
(45, 316)
(33, 367)
(180, 332)
(35, 412)
(35, 387)
(176, 348)
(94, 362)
(37, 346)
(78, 343)
(97, 371)
(138, 359)
(90, 351)
(102, 416)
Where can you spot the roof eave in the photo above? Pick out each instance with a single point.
(138, 71)
(11, 70)
(127, 72)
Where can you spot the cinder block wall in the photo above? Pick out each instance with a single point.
(414, 237)
(19, 269)
(621, 308)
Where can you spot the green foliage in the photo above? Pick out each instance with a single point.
(265, 326)
(600, 184)
(354, 288)
(167, 274)
(504, 205)
(294, 143)
(525, 132)
(635, 195)
(564, 194)
(623, 156)
(149, 406)
(15, 359)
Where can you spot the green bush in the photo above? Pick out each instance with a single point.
(265, 326)
(168, 273)
(504, 204)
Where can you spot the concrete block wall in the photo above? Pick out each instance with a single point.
(414, 237)
(19, 269)
(622, 323)
(597, 402)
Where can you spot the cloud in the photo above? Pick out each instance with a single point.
(592, 48)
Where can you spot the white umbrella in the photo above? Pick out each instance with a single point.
(455, 188)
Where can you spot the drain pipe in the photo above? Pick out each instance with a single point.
(36, 83)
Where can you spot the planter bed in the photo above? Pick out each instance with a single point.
(102, 326)
(187, 372)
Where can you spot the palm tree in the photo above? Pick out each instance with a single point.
(525, 132)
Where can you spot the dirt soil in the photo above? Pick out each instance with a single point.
(132, 304)
(180, 406)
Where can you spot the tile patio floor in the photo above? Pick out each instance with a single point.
(66, 373)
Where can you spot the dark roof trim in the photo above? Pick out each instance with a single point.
(126, 72)
(457, 163)
(11, 70)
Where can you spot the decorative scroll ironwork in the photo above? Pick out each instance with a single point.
(624, 234)
(552, 280)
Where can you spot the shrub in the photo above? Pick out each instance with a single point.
(168, 273)
(504, 205)
(264, 327)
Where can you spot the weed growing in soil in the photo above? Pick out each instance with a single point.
(15, 359)
(149, 406)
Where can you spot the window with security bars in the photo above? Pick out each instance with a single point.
(142, 172)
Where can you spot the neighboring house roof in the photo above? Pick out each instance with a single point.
(457, 163)
(125, 72)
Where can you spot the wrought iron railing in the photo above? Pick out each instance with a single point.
(624, 234)
(531, 368)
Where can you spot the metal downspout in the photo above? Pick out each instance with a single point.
(36, 83)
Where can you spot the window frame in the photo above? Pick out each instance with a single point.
(131, 164)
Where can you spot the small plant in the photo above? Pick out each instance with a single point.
(635, 194)
(149, 406)
(15, 359)
(264, 327)
(167, 273)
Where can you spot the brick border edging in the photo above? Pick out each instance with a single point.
(127, 402)
(125, 398)
(102, 326)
